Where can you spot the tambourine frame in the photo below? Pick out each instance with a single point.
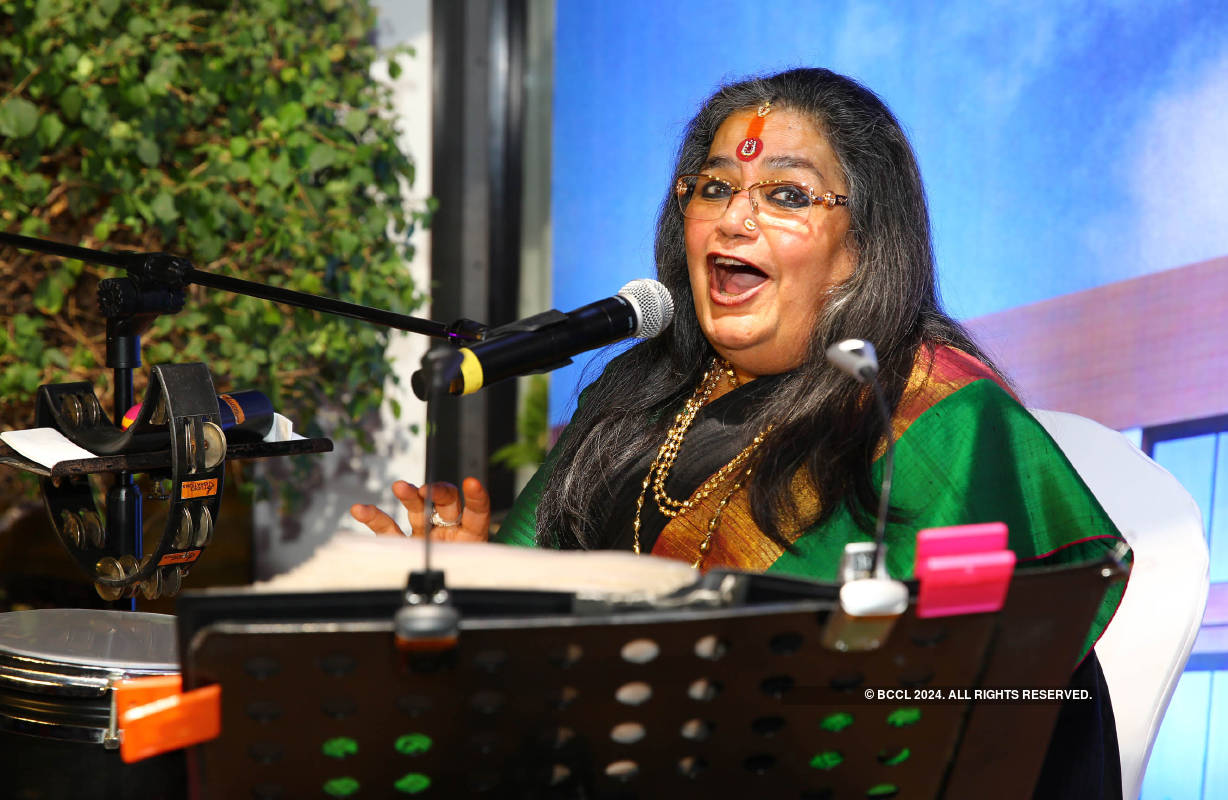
(180, 403)
(176, 435)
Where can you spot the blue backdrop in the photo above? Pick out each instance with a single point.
(1064, 144)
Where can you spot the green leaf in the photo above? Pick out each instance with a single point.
(158, 83)
(49, 294)
(27, 327)
(355, 121)
(239, 171)
(96, 117)
(280, 173)
(22, 378)
(137, 95)
(259, 164)
(85, 68)
(54, 358)
(50, 129)
(291, 115)
(347, 242)
(70, 102)
(239, 146)
(148, 152)
(163, 207)
(209, 248)
(18, 118)
(140, 27)
(82, 359)
(322, 156)
(44, 10)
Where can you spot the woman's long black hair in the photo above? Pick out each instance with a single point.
(823, 424)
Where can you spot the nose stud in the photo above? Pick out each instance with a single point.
(749, 224)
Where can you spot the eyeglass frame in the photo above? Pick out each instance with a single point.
(828, 199)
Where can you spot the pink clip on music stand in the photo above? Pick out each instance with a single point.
(963, 569)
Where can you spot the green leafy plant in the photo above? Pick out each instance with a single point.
(532, 428)
(248, 137)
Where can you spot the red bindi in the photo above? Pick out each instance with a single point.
(752, 145)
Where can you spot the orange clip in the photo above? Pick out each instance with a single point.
(156, 716)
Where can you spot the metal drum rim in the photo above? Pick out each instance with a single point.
(47, 646)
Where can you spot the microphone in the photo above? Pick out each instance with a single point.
(857, 358)
(643, 308)
(870, 602)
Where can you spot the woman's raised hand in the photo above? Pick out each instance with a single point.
(470, 519)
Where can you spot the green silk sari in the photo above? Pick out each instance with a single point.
(966, 452)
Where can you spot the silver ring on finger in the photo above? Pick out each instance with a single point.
(440, 522)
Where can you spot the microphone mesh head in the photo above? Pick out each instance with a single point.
(653, 305)
(856, 357)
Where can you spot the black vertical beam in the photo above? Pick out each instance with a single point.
(479, 50)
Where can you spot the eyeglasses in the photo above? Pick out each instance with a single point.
(708, 197)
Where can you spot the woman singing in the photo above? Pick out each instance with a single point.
(796, 218)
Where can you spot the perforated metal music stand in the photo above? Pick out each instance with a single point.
(543, 698)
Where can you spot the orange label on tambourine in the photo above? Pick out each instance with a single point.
(198, 488)
(235, 408)
(179, 558)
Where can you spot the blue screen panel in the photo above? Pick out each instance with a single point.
(1217, 525)
(1215, 782)
(1192, 462)
(1175, 771)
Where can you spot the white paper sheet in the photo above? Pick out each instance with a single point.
(46, 446)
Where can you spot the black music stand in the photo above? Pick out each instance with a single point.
(542, 698)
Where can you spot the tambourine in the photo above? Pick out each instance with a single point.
(179, 415)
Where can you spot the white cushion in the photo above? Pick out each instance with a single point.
(1144, 649)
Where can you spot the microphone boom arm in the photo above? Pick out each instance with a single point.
(161, 270)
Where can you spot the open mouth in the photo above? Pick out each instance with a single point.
(732, 279)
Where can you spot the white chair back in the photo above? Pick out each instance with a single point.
(1145, 648)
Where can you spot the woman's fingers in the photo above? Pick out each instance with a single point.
(475, 521)
(473, 514)
(447, 502)
(444, 496)
(376, 520)
(411, 498)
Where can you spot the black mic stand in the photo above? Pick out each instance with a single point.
(426, 627)
(130, 309)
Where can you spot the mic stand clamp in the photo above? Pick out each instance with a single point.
(870, 601)
(428, 622)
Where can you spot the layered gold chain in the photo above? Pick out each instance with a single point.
(667, 454)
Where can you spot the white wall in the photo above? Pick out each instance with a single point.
(351, 475)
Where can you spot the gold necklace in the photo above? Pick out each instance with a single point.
(658, 471)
